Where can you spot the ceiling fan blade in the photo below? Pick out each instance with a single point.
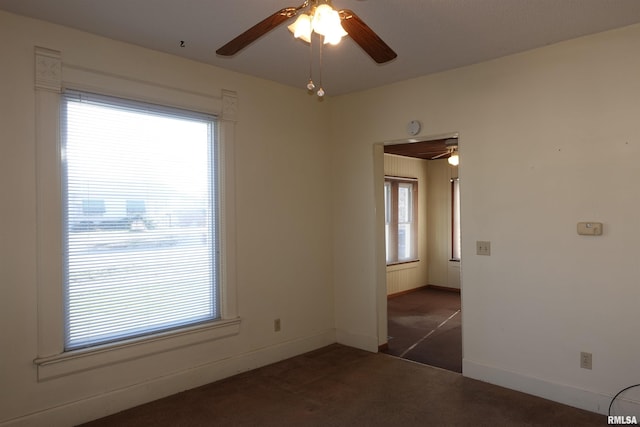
(440, 155)
(257, 31)
(366, 38)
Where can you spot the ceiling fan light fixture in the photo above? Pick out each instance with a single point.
(338, 24)
(302, 28)
(322, 19)
(454, 159)
(327, 22)
(333, 39)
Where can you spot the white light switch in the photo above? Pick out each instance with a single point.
(590, 228)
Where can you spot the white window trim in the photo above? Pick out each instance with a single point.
(52, 361)
(455, 221)
(395, 180)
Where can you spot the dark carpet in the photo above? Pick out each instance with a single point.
(425, 326)
(343, 386)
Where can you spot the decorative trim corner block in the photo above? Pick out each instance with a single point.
(48, 65)
(229, 105)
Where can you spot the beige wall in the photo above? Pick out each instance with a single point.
(548, 138)
(407, 276)
(442, 271)
(282, 226)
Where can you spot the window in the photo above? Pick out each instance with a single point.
(184, 223)
(140, 235)
(93, 207)
(455, 219)
(401, 228)
(136, 207)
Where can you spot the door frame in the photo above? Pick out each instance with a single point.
(379, 237)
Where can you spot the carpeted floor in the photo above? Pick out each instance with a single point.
(425, 326)
(343, 386)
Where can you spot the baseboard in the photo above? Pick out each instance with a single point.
(408, 291)
(362, 342)
(114, 401)
(436, 287)
(561, 393)
(444, 288)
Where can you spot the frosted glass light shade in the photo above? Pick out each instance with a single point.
(326, 22)
(322, 19)
(301, 28)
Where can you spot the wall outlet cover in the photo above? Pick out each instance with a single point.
(586, 360)
(483, 248)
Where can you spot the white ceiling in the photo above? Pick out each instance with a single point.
(428, 35)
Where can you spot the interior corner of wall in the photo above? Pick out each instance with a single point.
(363, 342)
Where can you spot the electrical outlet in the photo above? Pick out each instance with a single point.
(585, 360)
(483, 248)
(276, 325)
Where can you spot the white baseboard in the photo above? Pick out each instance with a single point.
(118, 400)
(561, 393)
(362, 342)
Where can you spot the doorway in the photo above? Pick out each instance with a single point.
(423, 304)
(425, 326)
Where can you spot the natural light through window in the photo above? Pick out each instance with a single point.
(405, 221)
(140, 240)
(400, 219)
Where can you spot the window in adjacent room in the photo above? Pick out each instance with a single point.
(401, 227)
(140, 239)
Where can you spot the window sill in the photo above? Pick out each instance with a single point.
(403, 265)
(85, 359)
(412, 261)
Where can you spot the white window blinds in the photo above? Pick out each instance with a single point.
(140, 240)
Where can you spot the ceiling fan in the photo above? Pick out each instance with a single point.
(446, 153)
(451, 153)
(348, 22)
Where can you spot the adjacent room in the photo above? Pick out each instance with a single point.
(422, 252)
(193, 193)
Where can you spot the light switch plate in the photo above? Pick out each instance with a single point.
(590, 228)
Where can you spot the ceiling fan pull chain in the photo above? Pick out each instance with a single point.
(321, 90)
(310, 85)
